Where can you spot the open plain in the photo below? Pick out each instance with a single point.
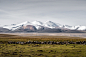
(40, 50)
(83, 35)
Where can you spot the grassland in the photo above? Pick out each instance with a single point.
(41, 50)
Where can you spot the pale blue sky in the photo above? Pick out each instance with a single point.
(70, 12)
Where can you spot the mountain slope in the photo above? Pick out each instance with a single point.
(38, 25)
(50, 24)
(4, 30)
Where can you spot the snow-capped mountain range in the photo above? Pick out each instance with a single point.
(47, 24)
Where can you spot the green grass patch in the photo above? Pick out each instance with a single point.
(41, 50)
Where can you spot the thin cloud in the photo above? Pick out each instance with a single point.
(61, 11)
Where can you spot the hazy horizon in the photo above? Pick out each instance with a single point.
(69, 12)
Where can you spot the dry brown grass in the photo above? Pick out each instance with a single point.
(6, 37)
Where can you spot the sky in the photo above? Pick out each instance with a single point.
(67, 12)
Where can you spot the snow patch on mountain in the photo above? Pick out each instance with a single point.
(50, 24)
(13, 27)
(36, 23)
(69, 27)
(82, 28)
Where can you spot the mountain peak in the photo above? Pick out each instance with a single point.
(50, 24)
(37, 22)
(48, 21)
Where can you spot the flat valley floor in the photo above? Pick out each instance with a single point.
(82, 35)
